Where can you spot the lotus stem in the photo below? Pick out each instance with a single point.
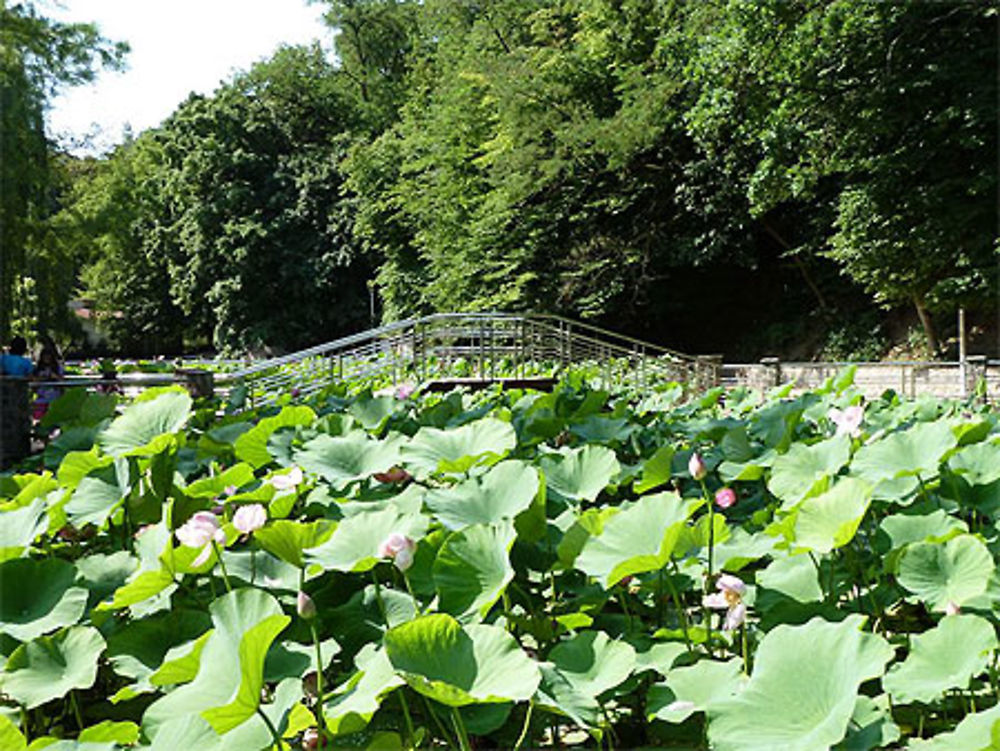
(75, 704)
(681, 613)
(222, 565)
(463, 736)
(320, 720)
(524, 728)
(270, 726)
(406, 716)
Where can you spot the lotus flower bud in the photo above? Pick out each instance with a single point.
(305, 606)
(696, 467)
(399, 548)
(725, 498)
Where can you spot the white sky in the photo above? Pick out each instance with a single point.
(178, 46)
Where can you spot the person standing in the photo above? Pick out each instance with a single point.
(48, 367)
(14, 363)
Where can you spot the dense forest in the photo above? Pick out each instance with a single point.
(738, 176)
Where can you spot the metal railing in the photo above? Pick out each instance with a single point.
(483, 345)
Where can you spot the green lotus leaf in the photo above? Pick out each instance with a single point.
(955, 572)
(831, 519)
(976, 732)
(936, 526)
(38, 596)
(49, 667)
(78, 464)
(181, 663)
(458, 665)
(99, 494)
(123, 733)
(20, 527)
(656, 470)
(556, 694)
(77, 406)
(917, 451)
(138, 648)
(803, 690)
(341, 461)
(251, 446)
(637, 539)
(947, 656)
(226, 690)
(10, 737)
(593, 663)
(978, 464)
(289, 539)
(373, 412)
(472, 569)
(694, 689)
(603, 429)
(289, 659)
(483, 442)
(142, 587)
(210, 487)
(503, 492)
(354, 544)
(579, 474)
(355, 701)
(794, 576)
(871, 725)
(147, 426)
(807, 470)
(103, 574)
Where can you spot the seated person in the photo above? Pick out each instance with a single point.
(14, 363)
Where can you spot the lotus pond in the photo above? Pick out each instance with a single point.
(506, 569)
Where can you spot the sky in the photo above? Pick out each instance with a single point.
(178, 46)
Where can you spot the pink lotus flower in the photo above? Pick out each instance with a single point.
(952, 608)
(696, 467)
(725, 498)
(287, 481)
(199, 532)
(849, 420)
(399, 548)
(305, 606)
(405, 390)
(229, 490)
(729, 598)
(248, 519)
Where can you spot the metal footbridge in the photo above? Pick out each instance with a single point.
(483, 347)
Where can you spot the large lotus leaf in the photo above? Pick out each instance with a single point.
(946, 657)
(794, 577)
(831, 520)
(806, 470)
(251, 446)
(209, 487)
(226, 690)
(123, 733)
(976, 732)
(99, 494)
(78, 464)
(694, 689)
(503, 492)
(602, 429)
(484, 441)
(556, 694)
(803, 690)
(917, 451)
(472, 569)
(353, 703)
(871, 725)
(289, 659)
(458, 665)
(937, 526)
(354, 545)
(341, 461)
(147, 426)
(77, 406)
(656, 470)
(956, 571)
(289, 539)
(143, 586)
(10, 737)
(20, 526)
(373, 412)
(637, 539)
(38, 596)
(592, 663)
(978, 464)
(138, 648)
(579, 474)
(49, 667)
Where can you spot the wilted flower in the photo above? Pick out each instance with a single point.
(287, 481)
(725, 497)
(305, 606)
(729, 598)
(199, 532)
(248, 519)
(848, 420)
(394, 475)
(399, 548)
(697, 468)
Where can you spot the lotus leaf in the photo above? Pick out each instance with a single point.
(503, 492)
(953, 572)
(147, 426)
(579, 474)
(49, 667)
(472, 569)
(485, 441)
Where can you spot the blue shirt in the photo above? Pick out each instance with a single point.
(15, 365)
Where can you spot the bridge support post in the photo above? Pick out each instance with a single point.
(772, 371)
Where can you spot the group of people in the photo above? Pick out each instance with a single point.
(48, 367)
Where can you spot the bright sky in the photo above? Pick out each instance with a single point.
(178, 46)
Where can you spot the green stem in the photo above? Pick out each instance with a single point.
(746, 655)
(463, 736)
(628, 613)
(253, 561)
(409, 720)
(437, 721)
(378, 597)
(222, 565)
(524, 728)
(270, 726)
(320, 720)
(76, 709)
(416, 603)
(708, 579)
(681, 613)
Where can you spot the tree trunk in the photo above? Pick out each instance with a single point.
(927, 323)
(806, 276)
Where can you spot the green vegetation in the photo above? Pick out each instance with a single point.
(637, 163)
(505, 569)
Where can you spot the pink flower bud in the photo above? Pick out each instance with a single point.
(952, 608)
(305, 606)
(248, 519)
(399, 548)
(696, 467)
(725, 498)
